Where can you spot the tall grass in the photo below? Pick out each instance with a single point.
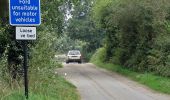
(43, 85)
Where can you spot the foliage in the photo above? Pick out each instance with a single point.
(42, 54)
(99, 55)
(46, 85)
(82, 27)
(137, 33)
(42, 48)
(64, 43)
(43, 83)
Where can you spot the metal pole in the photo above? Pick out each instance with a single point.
(25, 68)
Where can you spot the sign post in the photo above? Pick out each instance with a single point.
(25, 15)
(25, 68)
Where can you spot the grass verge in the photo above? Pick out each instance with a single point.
(43, 85)
(158, 83)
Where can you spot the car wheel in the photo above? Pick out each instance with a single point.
(67, 62)
(79, 62)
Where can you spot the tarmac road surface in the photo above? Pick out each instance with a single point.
(98, 84)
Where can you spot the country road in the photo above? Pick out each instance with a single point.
(98, 84)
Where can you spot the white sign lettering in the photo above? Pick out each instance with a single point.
(24, 12)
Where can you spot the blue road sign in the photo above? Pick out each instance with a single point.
(24, 12)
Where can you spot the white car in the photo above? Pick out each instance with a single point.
(74, 56)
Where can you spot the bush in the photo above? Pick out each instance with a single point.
(99, 55)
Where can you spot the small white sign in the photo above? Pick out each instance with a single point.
(25, 33)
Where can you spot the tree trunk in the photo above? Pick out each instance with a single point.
(3, 8)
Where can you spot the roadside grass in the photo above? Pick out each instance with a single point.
(158, 83)
(43, 85)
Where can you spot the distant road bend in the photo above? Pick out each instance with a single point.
(98, 84)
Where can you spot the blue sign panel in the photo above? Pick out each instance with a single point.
(24, 12)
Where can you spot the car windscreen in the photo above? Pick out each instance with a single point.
(74, 53)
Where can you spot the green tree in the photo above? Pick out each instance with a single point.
(82, 27)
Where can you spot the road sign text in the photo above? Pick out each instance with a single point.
(26, 33)
(25, 12)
